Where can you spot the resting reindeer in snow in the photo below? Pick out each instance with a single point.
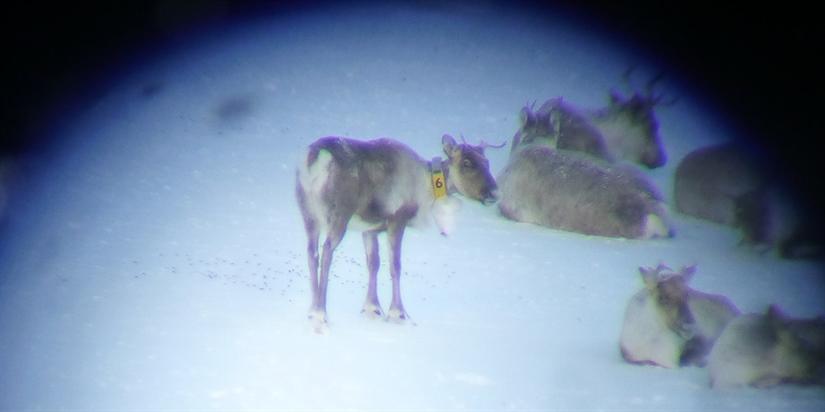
(376, 186)
(669, 324)
(730, 184)
(764, 350)
(626, 130)
(574, 191)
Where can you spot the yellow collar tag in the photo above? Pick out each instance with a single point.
(439, 183)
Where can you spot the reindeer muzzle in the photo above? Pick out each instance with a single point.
(492, 196)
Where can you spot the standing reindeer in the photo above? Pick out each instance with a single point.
(627, 129)
(377, 186)
(670, 324)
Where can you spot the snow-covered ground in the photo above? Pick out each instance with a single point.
(154, 257)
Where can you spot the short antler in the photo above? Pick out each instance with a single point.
(626, 78)
(652, 82)
(656, 274)
(657, 99)
(649, 95)
(485, 145)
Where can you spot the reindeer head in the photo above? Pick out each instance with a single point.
(669, 292)
(469, 171)
(636, 118)
(537, 127)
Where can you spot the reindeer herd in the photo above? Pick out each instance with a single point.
(582, 171)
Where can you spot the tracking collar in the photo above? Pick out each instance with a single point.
(437, 174)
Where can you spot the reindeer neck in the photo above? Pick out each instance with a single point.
(600, 115)
(440, 171)
(445, 165)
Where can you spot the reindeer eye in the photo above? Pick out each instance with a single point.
(466, 163)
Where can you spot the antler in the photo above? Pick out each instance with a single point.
(649, 95)
(670, 102)
(650, 83)
(485, 145)
(656, 100)
(626, 78)
(656, 273)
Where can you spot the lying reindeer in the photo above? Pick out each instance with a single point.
(730, 184)
(766, 350)
(575, 192)
(710, 182)
(670, 324)
(626, 130)
(380, 185)
(563, 171)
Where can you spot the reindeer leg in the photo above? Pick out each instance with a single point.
(312, 260)
(313, 233)
(397, 314)
(318, 314)
(372, 308)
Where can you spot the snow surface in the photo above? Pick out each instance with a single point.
(154, 257)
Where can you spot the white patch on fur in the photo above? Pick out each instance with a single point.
(655, 226)
(645, 336)
(413, 187)
(313, 178)
(443, 211)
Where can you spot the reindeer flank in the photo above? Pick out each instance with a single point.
(571, 191)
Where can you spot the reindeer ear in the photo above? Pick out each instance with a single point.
(555, 119)
(547, 108)
(650, 277)
(448, 143)
(527, 117)
(616, 98)
(688, 272)
(776, 314)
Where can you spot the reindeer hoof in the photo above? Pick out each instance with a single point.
(318, 321)
(399, 317)
(372, 311)
(320, 328)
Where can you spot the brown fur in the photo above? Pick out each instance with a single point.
(733, 185)
(572, 191)
(764, 350)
